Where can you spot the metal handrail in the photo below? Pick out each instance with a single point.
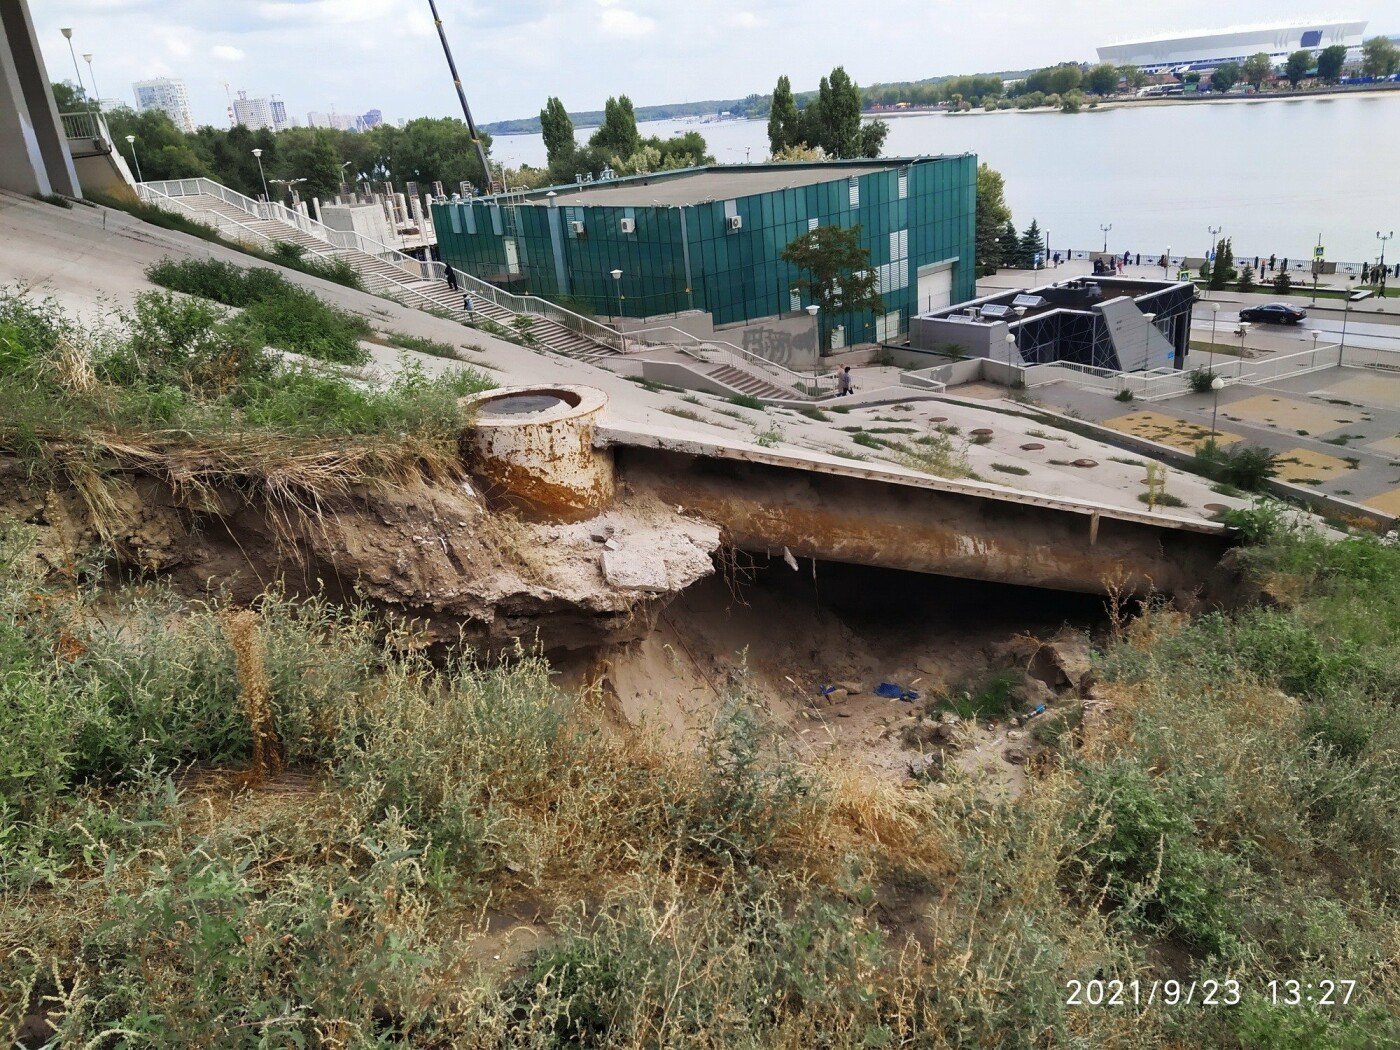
(736, 356)
(153, 196)
(276, 211)
(85, 124)
(423, 270)
(531, 304)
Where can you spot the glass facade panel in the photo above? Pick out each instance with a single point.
(910, 213)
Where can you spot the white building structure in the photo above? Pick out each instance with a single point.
(1205, 51)
(253, 113)
(167, 95)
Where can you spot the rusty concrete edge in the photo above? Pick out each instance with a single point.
(606, 435)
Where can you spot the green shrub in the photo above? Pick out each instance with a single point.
(1149, 863)
(1242, 465)
(1201, 380)
(282, 314)
(746, 401)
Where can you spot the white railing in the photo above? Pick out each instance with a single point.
(418, 269)
(85, 124)
(922, 380)
(532, 305)
(708, 350)
(230, 228)
(275, 211)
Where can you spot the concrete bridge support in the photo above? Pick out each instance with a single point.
(34, 154)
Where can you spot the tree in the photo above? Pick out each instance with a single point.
(1009, 245)
(1222, 268)
(558, 132)
(1102, 79)
(872, 138)
(1380, 57)
(1298, 66)
(839, 278)
(784, 122)
(833, 121)
(1257, 69)
(1134, 77)
(1032, 245)
(992, 215)
(1330, 62)
(618, 135)
(1246, 283)
(1226, 76)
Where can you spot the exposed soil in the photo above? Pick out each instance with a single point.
(813, 644)
(628, 602)
(431, 553)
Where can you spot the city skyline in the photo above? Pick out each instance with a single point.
(586, 50)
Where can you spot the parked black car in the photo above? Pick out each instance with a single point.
(1274, 313)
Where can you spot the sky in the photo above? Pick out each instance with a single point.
(355, 55)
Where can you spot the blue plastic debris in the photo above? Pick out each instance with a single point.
(893, 691)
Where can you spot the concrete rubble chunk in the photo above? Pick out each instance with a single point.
(628, 571)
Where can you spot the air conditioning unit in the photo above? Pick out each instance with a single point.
(735, 222)
(576, 228)
(628, 225)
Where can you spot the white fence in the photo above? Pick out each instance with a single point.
(1159, 384)
(167, 194)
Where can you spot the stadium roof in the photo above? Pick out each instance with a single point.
(1260, 27)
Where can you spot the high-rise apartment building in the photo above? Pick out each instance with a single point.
(279, 114)
(168, 96)
(373, 119)
(253, 113)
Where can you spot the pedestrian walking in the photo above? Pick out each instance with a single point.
(1272, 260)
(1139, 259)
(469, 305)
(843, 382)
(452, 279)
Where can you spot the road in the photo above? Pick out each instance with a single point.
(1359, 333)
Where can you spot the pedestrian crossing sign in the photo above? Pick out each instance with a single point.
(1317, 253)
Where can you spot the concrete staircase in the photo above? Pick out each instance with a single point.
(385, 277)
(748, 383)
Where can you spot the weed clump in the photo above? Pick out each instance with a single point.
(281, 314)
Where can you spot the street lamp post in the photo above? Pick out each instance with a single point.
(1166, 262)
(1384, 272)
(812, 312)
(1105, 230)
(131, 141)
(1316, 335)
(1214, 315)
(1216, 385)
(617, 285)
(68, 35)
(96, 91)
(262, 174)
(1215, 231)
(1242, 331)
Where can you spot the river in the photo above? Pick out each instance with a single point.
(1275, 175)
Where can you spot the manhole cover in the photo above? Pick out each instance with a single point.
(982, 432)
(1085, 463)
(938, 419)
(1216, 508)
(1032, 447)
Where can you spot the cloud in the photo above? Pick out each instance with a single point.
(625, 24)
(746, 20)
(227, 53)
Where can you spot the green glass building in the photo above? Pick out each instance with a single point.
(711, 239)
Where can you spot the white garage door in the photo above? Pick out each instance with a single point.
(935, 286)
